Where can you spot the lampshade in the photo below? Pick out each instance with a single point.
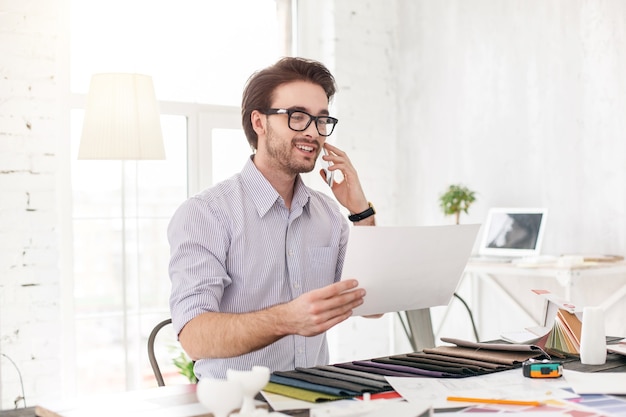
(121, 119)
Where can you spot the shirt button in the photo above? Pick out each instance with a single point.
(296, 285)
(290, 252)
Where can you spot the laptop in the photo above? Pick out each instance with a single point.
(511, 234)
(407, 268)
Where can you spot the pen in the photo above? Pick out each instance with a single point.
(494, 401)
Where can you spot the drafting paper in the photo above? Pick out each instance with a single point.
(407, 268)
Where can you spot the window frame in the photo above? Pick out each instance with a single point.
(201, 121)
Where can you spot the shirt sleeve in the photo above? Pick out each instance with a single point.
(198, 244)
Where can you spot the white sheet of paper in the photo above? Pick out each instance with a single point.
(374, 408)
(506, 384)
(407, 268)
(618, 348)
(510, 414)
(349, 408)
(596, 382)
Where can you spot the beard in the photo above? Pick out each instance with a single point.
(281, 152)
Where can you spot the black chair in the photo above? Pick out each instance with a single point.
(153, 361)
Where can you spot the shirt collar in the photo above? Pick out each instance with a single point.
(264, 196)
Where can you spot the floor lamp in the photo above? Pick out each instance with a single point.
(122, 122)
(122, 119)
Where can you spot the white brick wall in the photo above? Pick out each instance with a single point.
(30, 99)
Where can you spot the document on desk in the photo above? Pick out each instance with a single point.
(506, 385)
(596, 382)
(618, 348)
(407, 268)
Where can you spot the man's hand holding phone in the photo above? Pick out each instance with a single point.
(347, 187)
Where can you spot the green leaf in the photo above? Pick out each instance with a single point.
(185, 366)
(456, 199)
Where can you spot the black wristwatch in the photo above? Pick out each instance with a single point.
(363, 215)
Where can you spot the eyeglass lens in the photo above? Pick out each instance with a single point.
(300, 121)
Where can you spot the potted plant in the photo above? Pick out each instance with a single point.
(184, 365)
(455, 200)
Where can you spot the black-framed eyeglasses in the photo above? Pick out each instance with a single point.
(300, 120)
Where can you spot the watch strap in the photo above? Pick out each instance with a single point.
(363, 215)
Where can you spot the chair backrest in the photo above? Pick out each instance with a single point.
(153, 361)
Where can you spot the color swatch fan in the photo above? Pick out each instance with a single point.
(565, 334)
(562, 326)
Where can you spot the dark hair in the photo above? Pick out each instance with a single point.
(259, 91)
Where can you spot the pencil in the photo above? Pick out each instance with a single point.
(494, 401)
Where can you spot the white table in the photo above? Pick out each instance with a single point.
(495, 289)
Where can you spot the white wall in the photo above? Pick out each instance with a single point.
(33, 120)
(523, 101)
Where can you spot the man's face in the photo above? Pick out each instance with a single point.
(285, 149)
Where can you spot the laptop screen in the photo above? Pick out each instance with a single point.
(513, 232)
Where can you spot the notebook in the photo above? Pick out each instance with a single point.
(512, 233)
(407, 268)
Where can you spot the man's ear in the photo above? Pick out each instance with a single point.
(258, 120)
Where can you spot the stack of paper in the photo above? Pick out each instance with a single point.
(618, 348)
(565, 334)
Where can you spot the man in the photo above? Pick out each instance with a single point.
(256, 260)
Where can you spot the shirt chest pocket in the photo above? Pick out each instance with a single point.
(321, 266)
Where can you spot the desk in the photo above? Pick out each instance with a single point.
(180, 400)
(18, 412)
(602, 283)
(167, 401)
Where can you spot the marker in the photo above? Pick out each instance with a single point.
(494, 401)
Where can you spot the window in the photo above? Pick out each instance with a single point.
(196, 52)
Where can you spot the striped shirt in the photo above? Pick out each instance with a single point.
(236, 248)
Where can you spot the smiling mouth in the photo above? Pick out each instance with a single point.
(306, 148)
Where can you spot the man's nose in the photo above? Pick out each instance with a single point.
(309, 132)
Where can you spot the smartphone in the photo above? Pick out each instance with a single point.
(329, 174)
